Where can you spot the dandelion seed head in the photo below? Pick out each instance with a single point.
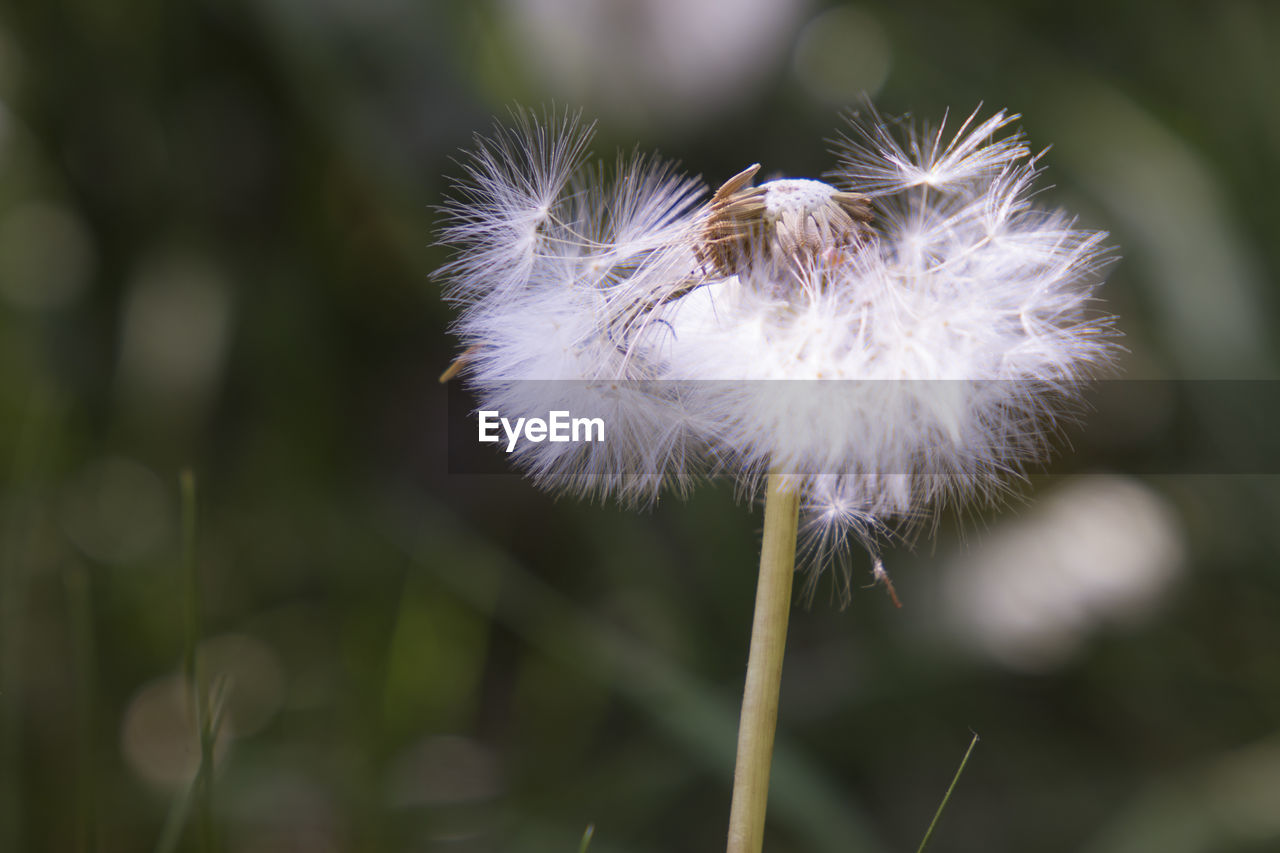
(909, 334)
(780, 224)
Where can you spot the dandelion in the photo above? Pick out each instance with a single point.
(957, 315)
(861, 351)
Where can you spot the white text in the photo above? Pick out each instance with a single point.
(558, 426)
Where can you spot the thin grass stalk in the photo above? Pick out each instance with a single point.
(199, 695)
(946, 798)
(21, 526)
(80, 616)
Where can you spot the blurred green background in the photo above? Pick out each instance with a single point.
(216, 247)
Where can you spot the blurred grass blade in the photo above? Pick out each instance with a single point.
(199, 795)
(176, 819)
(80, 607)
(586, 837)
(195, 678)
(20, 531)
(187, 484)
(180, 809)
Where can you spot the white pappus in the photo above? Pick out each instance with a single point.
(906, 335)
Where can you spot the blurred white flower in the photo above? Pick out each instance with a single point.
(1097, 551)
(957, 314)
(651, 60)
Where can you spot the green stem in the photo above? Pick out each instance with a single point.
(933, 824)
(764, 667)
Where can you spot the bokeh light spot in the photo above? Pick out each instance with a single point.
(116, 511)
(842, 54)
(46, 256)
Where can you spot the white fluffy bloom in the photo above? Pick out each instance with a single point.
(904, 335)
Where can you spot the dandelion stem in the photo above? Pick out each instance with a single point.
(764, 667)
